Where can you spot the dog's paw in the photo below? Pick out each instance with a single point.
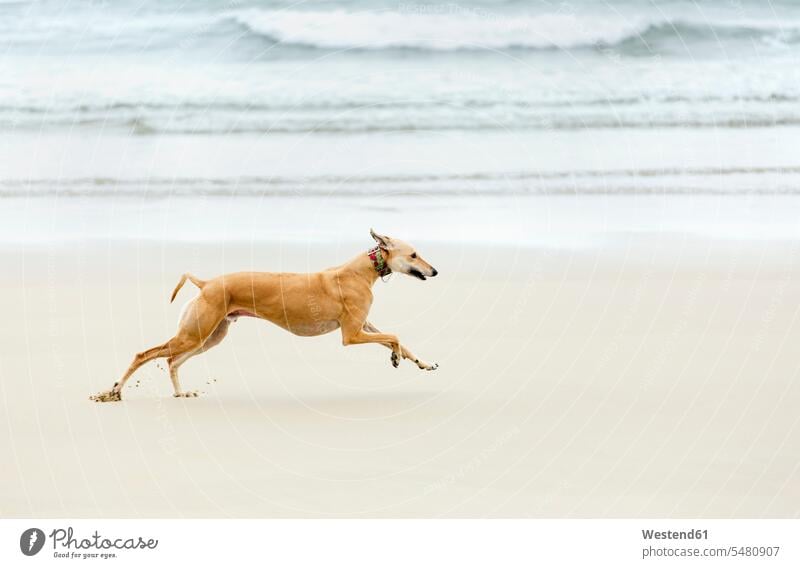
(187, 394)
(395, 358)
(426, 366)
(107, 396)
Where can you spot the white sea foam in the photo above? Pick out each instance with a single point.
(448, 30)
(448, 27)
(463, 28)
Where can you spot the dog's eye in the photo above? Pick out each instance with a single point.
(414, 255)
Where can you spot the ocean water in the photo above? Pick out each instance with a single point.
(377, 66)
(385, 102)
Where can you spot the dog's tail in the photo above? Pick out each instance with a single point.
(195, 280)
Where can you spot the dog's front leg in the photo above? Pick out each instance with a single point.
(405, 352)
(353, 333)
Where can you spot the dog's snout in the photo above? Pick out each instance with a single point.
(435, 272)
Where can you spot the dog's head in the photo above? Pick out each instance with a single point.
(403, 258)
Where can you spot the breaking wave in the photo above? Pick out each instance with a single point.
(473, 30)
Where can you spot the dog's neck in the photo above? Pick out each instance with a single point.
(364, 267)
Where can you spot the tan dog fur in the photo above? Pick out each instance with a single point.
(304, 304)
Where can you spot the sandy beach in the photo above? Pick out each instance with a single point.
(655, 377)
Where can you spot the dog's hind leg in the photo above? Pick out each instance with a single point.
(176, 361)
(139, 359)
(197, 324)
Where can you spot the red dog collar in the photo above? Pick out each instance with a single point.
(378, 262)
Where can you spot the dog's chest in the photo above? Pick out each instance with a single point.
(308, 329)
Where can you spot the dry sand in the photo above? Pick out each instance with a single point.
(653, 377)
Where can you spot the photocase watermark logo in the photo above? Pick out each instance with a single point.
(66, 543)
(31, 541)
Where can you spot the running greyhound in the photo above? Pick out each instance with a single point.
(304, 304)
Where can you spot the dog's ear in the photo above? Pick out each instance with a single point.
(383, 242)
